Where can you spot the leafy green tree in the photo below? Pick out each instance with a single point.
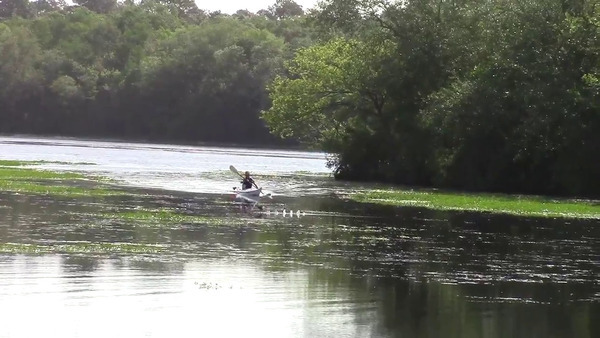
(41, 7)
(517, 122)
(132, 72)
(13, 8)
(139, 25)
(285, 9)
(334, 99)
(414, 65)
(265, 13)
(19, 54)
(243, 14)
(85, 36)
(296, 32)
(315, 104)
(479, 95)
(66, 88)
(98, 6)
(214, 72)
(184, 9)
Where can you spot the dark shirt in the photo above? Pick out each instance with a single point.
(247, 183)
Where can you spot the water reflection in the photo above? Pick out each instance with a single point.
(79, 264)
(354, 270)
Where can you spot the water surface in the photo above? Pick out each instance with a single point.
(335, 269)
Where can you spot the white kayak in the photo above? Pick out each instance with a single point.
(250, 195)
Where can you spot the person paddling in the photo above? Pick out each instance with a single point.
(248, 182)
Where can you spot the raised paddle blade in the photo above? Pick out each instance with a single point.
(233, 170)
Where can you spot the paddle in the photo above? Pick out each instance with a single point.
(232, 168)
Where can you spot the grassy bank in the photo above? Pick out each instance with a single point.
(494, 203)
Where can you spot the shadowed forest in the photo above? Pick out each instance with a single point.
(481, 95)
(152, 70)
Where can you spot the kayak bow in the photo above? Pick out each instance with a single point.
(250, 195)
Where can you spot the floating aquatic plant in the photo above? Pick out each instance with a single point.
(80, 247)
(164, 216)
(495, 203)
(14, 178)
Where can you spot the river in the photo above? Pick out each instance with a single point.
(333, 268)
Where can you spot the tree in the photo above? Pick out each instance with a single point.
(214, 72)
(19, 54)
(524, 119)
(98, 6)
(414, 65)
(40, 7)
(10, 8)
(243, 14)
(265, 13)
(285, 9)
(184, 9)
(66, 88)
(146, 69)
(333, 99)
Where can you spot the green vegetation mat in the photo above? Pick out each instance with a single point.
(164, 216)
(11, 163)
(503, 204)
(80, 247)
(131, 209)
(15, 178)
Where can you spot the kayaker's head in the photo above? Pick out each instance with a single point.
(247, 174)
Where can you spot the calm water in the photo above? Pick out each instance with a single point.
(337, 269)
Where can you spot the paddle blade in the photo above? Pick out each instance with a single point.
(233, 170)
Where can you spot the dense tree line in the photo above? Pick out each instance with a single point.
(150, 69)
(495, 95)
